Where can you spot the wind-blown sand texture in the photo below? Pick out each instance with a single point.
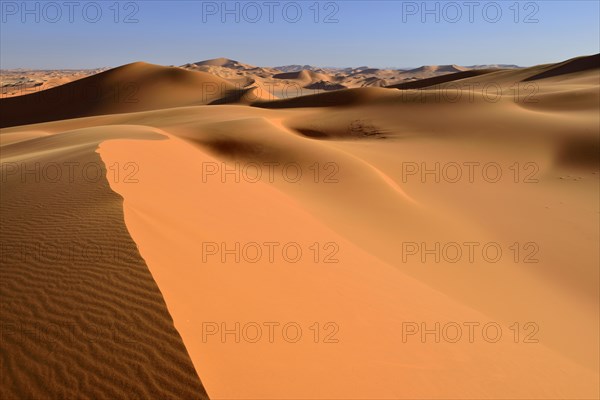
(179, 298)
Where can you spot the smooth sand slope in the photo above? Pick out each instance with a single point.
(356, 291)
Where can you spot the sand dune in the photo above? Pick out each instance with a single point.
(81, 313)
(304, 75)
(384, 297)
(240, 74)
(423, 83)
(331, 99)
(132, 87)
(431, 69)
(367, 187)
(20, 82)
(569, 67)
(325, 85)
(222, 62)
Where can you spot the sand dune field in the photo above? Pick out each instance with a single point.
(194, 232)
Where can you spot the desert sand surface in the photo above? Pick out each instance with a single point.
(434, 237)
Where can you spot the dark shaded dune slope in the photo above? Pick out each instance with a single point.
(571, 66)
(423, 83)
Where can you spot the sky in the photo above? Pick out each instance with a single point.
(67, 34)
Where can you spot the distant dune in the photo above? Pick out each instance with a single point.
(18, 82)
(423, 83)
(132, 87)
(568, 67)
(220, 62)
(304, 75)
(325, 85)
(296, 68)
(437, 68)
(271, 83)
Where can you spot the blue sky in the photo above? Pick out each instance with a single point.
(89, 34)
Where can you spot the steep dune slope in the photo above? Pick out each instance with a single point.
(574, 65)
(422, 83)
(365, 301)
(572, 71)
